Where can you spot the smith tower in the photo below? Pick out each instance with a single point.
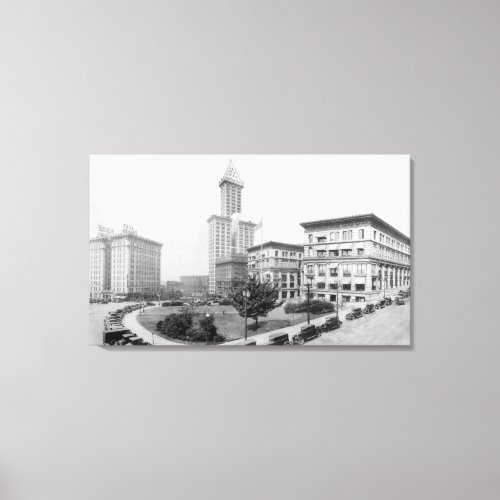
(228, 233)
(231, 186)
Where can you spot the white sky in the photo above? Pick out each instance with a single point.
(169, 198)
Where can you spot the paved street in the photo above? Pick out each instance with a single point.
(388, 326)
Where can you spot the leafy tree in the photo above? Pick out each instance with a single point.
(176, 325)
(263, 298)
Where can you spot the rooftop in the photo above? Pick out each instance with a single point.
(277, 245)
(355, 219)
(231, 175)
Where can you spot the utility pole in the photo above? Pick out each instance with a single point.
(308, 285)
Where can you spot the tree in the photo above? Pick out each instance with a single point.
(176, 325)
(262, 299)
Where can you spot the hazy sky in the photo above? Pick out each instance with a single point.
(169, 198)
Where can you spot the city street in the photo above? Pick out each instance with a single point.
(388, 326)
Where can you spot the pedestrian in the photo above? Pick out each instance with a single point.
(224, 312)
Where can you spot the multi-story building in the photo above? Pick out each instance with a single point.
(279, 263)
(231, 272)
(228, 234)
(132, 268)
(360, 258)
(194, 286)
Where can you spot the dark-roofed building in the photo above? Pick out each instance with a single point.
(361, 256)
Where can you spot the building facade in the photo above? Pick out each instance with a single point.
(358, 258)
(279, 263)
(194, 286)
(230, 272)
(124, 264)
(228, 233)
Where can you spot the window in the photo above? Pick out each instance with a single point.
(321, 296)
(361, 269)
(334, 271)
(334, 236)
(283, 295)
(283, 277)
(321, 239)
(346, 286)
(347, 235)
(334, 253)
(333, 298)
(361, 251)
(360, 299)
(346, 252)
(292, 295)
(310, 269)
(321, 253)
(361, 234)
(321, 269)
(333, 286)
(360, 287)
(321, 286)
(346, 269)
(276, 253)
(310, 237)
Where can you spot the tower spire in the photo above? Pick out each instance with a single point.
(231, 175)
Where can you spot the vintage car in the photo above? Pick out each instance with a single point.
(388, 301)
(306, 333)
(355, 313)
(380, 304)
(399, 301)
(279, 338)
(369, 308)
(331, 324)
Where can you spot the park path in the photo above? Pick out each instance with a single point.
(130, 322)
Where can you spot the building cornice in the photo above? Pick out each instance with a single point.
(277, 245)
(353, 220)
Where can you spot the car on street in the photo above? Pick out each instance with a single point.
(306, 333)
(380, 304)
(369, 308)
(330, 324)
(400, 301)
(355, 313)
(388, 301)
(279, 338)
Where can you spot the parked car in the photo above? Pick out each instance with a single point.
(400, 301)
(369, 308)
(308, 332)
(380, 304)
(279, 338)
(388, 301)
(355, 313)
(330, 324)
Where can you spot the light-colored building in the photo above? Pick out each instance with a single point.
(362, 257)
(231, 272)
(124, 264)
(279, 263)
(194, 286)
(228, 233)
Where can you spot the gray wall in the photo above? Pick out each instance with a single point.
(86, 77)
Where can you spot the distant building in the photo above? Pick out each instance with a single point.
(230, 272)
(228, 233)
(172, 286)
(362, 257)
(279, 263)
(123, 264)
(194, 286)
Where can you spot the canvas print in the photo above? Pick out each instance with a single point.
(249, 250)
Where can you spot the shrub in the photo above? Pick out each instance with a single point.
(159, 326)
(316, 307)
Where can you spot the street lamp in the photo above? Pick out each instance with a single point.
(308, 285)
(246, 296)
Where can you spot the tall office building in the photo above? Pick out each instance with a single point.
(123, 264)
(228, 233)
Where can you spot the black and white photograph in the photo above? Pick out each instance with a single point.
(257, 250)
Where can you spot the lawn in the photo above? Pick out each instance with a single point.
(229, 323)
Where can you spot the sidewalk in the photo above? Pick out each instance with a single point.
(263, 338)
(130, 322)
